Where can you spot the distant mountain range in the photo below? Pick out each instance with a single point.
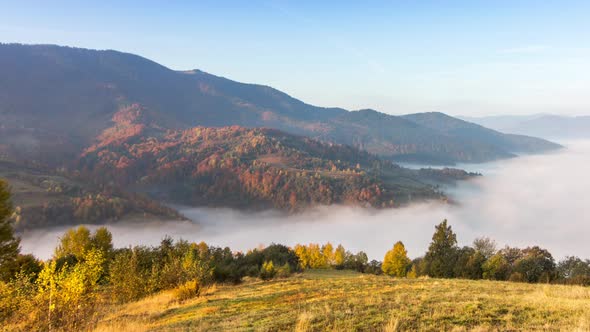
(548, 126)
(55, 101)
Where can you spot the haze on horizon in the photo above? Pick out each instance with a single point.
(467, 58)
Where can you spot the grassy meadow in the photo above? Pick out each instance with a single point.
(320, 300)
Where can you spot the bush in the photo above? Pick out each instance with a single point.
(69, 294)
(128, 279)
(17, 298)
(188, 290)
(413, 274)
(516, 277)
(267, 271)
(284, 271)
(374, 267)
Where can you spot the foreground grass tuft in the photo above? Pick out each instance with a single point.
(347, 301)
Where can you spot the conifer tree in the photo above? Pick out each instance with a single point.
(9, 244)
(442, 253)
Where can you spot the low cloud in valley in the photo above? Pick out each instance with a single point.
(531, 200)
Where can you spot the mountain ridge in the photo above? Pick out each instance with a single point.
(76, 92)
(550, 126)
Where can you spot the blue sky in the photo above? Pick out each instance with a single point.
(461, 57)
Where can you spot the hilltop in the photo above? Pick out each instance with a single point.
(249, 168)
(346, 301)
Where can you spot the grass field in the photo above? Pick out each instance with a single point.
(347, 301)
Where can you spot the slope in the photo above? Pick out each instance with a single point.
(480, 135)
(55, 101)
(347, 301)
(42, 198)
(248, 168)
(542, 125)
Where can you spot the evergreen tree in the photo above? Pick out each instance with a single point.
(441, 257)
(396, 261)
(9, 244)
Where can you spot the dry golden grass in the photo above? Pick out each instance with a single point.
(347, 301)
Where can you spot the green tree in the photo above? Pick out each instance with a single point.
(357, 262)
(127, 277)
(9, 244)
(441, 257)
(102, 240)
(396, 261)
(74, 242)
(496, 268)
(573, 270)
(469, 263)
(536, 265)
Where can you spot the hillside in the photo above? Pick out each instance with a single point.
(77, 92)
(476, 133)
(346, 301)
(248, 168)
(42, 198)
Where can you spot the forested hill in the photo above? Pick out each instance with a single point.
(254, 168)
(471, 131)
(56, 101)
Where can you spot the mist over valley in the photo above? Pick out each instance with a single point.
(528, 200)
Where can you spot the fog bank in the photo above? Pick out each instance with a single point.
(531, 200)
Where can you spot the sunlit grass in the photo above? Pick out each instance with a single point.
(346, 301)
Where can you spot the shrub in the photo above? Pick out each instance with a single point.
(516, 277)
(69, 294)
(413, 274)
(284, 271)
(267, 271)
(187, 291)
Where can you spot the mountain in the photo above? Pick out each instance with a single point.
(542, 125)
(480, 135)
(56, 101)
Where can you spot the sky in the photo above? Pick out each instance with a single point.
(470, 58)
